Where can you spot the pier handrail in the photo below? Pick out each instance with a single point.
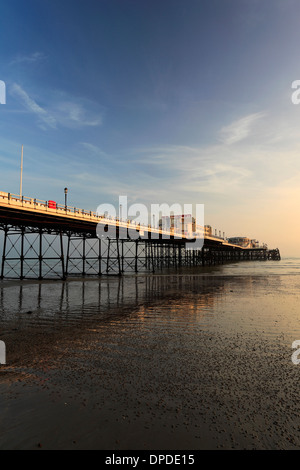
(53, 207)
(62, 209)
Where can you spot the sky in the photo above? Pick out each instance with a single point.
(162, 101)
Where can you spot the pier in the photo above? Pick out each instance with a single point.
(43, 239)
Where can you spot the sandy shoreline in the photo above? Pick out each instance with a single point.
(156, 371)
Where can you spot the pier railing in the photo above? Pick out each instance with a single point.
(71, 212)
(45, 239)
(63, 210)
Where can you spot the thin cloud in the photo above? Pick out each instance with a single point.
(71, 114)
(93, 149)
(240, 129)
(27, 59)
(191, 171)
(44, 117)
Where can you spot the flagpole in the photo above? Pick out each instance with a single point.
(21, 173)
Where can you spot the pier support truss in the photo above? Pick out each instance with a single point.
(31, 252)
(41, 253)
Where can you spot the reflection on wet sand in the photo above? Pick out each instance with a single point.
(85, 300)
(181, 361)
(90, 297)
(55, 311)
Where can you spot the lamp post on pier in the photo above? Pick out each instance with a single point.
(21, 175)
(66, 193)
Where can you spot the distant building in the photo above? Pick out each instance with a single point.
(185, 225)
(240, 241)
(244, 242)
(180, 224)
(207, 230)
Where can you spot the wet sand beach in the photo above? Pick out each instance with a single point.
(186, 360)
